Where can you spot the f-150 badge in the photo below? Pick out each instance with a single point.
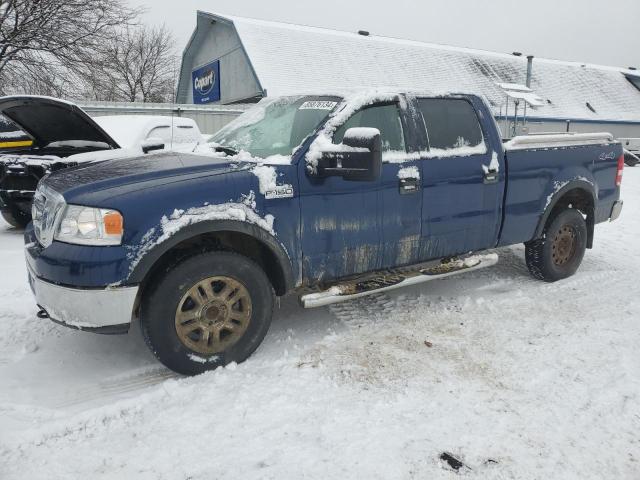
(280, 191)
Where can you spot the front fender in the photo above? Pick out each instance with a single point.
(149, 254)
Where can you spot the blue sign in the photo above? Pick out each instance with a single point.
(206, 83)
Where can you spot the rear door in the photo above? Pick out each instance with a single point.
(462, 177)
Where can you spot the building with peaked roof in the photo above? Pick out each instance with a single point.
(238, 60)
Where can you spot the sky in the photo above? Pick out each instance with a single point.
(591, 31)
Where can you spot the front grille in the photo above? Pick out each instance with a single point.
(47, 205)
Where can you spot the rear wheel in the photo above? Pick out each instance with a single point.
(16, 218)
(209, 310)
(560, 251)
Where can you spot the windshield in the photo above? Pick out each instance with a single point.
(276, 126)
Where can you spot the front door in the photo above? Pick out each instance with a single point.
(351, 227)
(401, 202)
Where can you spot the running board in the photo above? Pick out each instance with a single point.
(356, 289)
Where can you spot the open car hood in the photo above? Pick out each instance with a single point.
(50, 120)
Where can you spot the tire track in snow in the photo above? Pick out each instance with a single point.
(114, 387)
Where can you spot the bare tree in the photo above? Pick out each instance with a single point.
(49, 38)
(140, 64)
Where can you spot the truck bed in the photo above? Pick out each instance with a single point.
(540, 168)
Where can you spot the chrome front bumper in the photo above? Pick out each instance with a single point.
(108, 310)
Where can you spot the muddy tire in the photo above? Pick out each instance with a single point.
(560, 251)
(16, 218)
(209, 310)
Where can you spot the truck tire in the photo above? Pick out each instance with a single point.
(209, 310)
(560, 251)
(16, 219)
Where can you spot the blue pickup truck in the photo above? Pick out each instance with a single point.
(328, 196)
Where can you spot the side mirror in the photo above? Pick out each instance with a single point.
(151, 144)
(357, 158)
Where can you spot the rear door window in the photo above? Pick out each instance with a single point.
(451, 123)
(385, 118)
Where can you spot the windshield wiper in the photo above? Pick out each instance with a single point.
(227, 150)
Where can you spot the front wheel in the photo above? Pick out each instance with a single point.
(209, 310)
(560, 251)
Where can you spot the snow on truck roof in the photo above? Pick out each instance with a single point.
(129, 130)
(290, 59)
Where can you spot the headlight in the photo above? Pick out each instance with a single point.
(90, 226)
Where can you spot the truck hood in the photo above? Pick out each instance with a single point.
(50, 120)
(91, 182)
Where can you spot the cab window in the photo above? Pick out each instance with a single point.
(450, 123)
(385, 118)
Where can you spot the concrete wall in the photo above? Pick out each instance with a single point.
(218, 41)
(210, 118)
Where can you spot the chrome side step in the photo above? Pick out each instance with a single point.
(356, 289)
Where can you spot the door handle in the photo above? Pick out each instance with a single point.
(409, 185)
(490, 175)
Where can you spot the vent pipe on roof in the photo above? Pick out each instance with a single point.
(529, 69)
(364, 33)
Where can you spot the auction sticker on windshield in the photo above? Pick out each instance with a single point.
(318, 105)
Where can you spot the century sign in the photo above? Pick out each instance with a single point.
(206, 83)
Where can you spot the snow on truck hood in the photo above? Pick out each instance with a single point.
(53, 121)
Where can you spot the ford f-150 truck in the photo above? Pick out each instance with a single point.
(330, 197)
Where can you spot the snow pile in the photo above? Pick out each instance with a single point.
(517, 378)
(12, 135)
(179, 219)
(209, 150)
(78, 144)
(363, 132)
(29, 160)
(267, 177)
(494, 165)
(557, 140)
(409, 172)
(559, 185)
(462, 151)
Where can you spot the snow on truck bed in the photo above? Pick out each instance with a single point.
(514, 377)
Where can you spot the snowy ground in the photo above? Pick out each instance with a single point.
(517, 378)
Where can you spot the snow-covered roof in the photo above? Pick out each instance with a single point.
(290, 59)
